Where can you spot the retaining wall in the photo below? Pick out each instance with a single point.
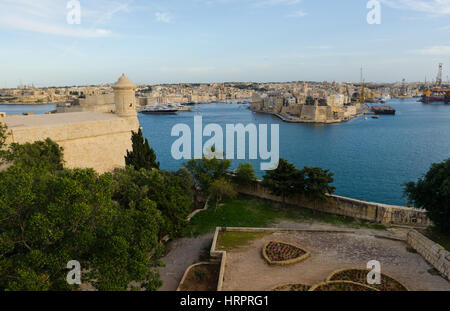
(434, 253)
(376, 212)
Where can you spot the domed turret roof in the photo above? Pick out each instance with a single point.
(124, 82)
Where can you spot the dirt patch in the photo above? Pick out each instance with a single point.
(201, 278)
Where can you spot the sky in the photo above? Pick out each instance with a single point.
(181, 41)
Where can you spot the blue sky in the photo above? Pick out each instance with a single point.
(176, 41)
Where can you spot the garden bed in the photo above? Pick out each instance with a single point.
(360, 276)
(200, 277)
(341, 286)
(279, 253)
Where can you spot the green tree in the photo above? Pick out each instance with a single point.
(285, 181)
(245, 174)
(316, 183)
(221, 189)
(142, 156)
(171, 192)
(432, 193)
(207, 170)
(41, 155)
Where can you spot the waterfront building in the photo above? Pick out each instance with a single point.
(321, 103)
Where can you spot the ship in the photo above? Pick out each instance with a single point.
(436, 95)
(383, 110)
(159, 110)
(385, 98)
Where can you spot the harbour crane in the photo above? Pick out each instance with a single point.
(439, 76)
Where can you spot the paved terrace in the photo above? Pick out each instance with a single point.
(246, 270)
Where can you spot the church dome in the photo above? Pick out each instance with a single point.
(124, 83)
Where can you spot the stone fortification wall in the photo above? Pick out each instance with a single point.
(376, 212)
(97, 140)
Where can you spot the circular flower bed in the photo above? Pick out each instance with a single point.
(291, 288)
(360, 276)
(341, 286)
(278, 253)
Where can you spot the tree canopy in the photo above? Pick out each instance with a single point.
(206, 170)
(41, 155)
(220, 189)
(316, 182)
(70, 216)
(432, 193)
(286, 181)
(245, 174)
(171, 192)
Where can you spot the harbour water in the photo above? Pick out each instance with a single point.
(18, 109)
(371, 159)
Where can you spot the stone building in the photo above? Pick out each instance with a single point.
(90, 139)
(91, 102)
(306, 105)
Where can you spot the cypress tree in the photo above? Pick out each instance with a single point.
(142, 155)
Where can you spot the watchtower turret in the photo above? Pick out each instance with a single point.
(124, 97)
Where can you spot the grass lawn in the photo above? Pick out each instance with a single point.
(229, 240)
(252, 212)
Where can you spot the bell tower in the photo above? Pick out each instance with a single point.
(124, 97)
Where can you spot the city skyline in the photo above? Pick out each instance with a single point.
(221, 41)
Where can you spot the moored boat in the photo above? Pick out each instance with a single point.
(159, 110)
(383, 110)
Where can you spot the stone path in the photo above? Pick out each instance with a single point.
(392, 232)
(181, 254)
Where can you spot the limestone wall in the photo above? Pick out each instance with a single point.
(99, 144)
(435, 254)
(380, 213)
(293, 109)
(308, 112)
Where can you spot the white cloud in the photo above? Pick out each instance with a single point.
(434, 50)
(49, 17)
(52, 29)
(163, 17)
(436, 7)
